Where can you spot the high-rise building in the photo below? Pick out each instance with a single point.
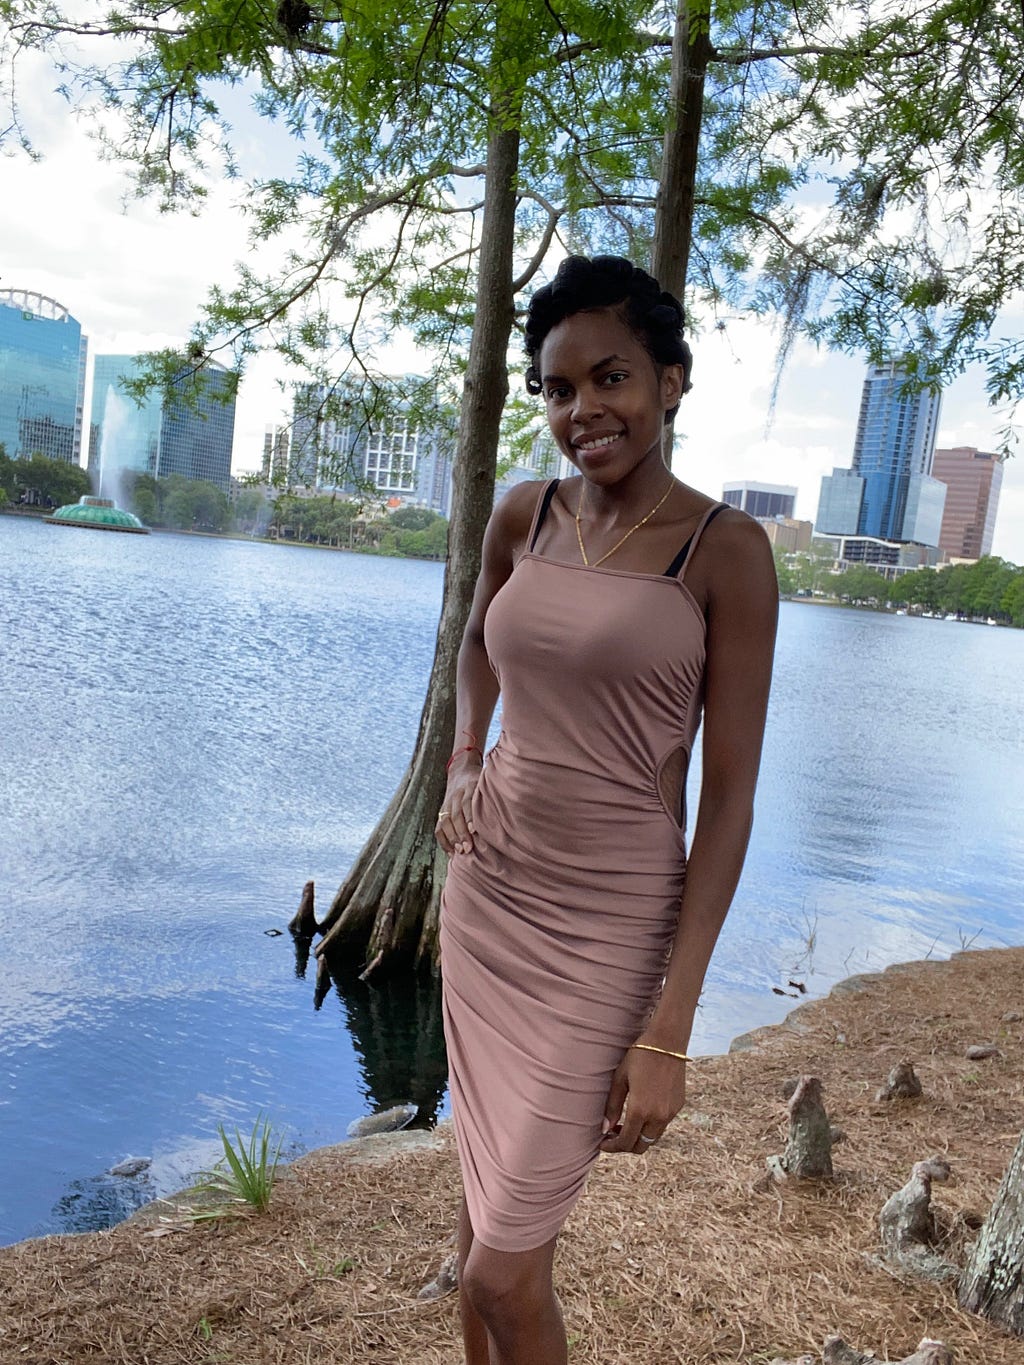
(42, 377)
(889, 493)
(124, 435)
(973, 479)
(767, 500)
(189, 431)
(396, 455)
(276, 455)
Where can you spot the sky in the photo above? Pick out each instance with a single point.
(135, 279)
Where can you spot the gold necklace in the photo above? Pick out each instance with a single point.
(619, 543)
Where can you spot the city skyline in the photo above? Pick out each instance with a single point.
(126, 304)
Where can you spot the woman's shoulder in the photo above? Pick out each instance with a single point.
(514, 511)
(733, 553)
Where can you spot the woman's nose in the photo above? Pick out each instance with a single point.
(587, 403)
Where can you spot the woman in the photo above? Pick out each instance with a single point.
(573, 954)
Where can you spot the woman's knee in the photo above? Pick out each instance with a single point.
(504, 1285)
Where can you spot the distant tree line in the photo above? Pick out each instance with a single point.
(181, 504)
(40, 481)
(414, 531)
(991, 588)
(177, 503)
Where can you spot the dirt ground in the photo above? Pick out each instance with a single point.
(687, 1255)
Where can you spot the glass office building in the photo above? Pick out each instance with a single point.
(190, 432)
(765, 500)
(395, 454)
(890, 481)
(42, 377)
(123, 435)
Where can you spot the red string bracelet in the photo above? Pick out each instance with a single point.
(466, 748)
(472, 748)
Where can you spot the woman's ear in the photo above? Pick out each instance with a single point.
(672, 380)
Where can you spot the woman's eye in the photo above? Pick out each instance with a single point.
(557, 392)
(615, 376)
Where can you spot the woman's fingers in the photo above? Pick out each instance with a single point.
(454, 829)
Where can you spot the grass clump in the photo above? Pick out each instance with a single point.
(245, 1174)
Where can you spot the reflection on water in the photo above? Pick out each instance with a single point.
(397, 1030)
(193, 728)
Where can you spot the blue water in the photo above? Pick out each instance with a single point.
(191, 728)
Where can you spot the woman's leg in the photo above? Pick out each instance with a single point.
(480, 1350)
(511, 1296)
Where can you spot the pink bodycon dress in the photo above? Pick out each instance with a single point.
(556, 928)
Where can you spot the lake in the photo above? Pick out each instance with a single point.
(193, 727)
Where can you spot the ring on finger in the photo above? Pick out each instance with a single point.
(443, 814)
(647, 1139)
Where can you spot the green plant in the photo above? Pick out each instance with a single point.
(245, 1174)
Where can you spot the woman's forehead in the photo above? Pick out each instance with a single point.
(584, 339)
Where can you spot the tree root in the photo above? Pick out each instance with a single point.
(907, 1225)
(303, 923)
(808, 1154)
(837, 1352)
(901, 1085)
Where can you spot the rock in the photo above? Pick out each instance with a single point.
(445, 1281)
(387, 1121)
(901, 1085)
(980, 1052)
(132, 1165)
(1012, 1017)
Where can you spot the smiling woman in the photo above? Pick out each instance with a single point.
(574, 934)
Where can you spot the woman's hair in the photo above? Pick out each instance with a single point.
(654, 316)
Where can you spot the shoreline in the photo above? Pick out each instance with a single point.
(685, 1255)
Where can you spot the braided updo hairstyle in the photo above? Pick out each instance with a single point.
(654, 316)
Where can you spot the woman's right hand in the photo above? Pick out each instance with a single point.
(454, 829)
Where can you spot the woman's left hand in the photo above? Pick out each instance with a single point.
(651, 1088)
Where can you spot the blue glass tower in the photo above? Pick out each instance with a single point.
(42, 377)
(189, 432)
(889, 493)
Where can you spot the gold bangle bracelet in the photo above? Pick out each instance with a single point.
(665, 1051)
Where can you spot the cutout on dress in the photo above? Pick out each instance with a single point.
(672, 785)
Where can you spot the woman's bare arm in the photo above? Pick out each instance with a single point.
(476, 686)
(742, 614)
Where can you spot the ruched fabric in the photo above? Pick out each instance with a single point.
(556, 929)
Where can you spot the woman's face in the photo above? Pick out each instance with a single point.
(606, 399)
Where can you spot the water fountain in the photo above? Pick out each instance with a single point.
(102, 512)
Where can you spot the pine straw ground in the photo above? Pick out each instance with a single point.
(684, 1256)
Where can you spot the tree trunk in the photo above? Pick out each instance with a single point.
(993, 1280)
(401, 869)
(673, 220)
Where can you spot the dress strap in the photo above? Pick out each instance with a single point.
(543, 504)
(678, 566)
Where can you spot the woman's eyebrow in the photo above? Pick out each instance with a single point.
(560, 378)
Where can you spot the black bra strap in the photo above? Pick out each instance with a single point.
(542, 512)
(680, 559)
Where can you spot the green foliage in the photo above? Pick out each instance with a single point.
(245, 1174)
(861, 584)
(860, 173)
(178, 503)
(8, 477)
(989, 589)
(785, 575)
(42, 478)
(344, 523)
